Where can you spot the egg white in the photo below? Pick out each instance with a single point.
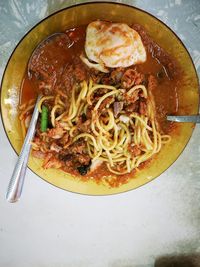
(113, 45)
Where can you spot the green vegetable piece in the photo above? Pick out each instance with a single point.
(44, 119)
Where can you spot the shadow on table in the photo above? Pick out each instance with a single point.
(183, 260)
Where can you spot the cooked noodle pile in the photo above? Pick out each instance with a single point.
(123, 141)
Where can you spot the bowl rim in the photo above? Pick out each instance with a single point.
(81, 4)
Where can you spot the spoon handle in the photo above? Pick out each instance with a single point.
(187, 118)
(17, 180)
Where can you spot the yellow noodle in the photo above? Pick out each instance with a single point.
(53, 116)
(27, 109)
(83, 135)
(95, 87)
(108, 138)
(114, 92)
(44, 98)
(136, 87)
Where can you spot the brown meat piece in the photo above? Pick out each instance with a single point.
(77, 147)
(85, 126)
(143, 106)
(89, 112)
(56, 133)
(131, 77)
(134, 150)
(83, 159)
(51, 162)
(38, 154)
(132, 97)
(55, 147)
(132, 107)
(116, 75)
(65, 139)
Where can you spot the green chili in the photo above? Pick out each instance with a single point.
(44, 119)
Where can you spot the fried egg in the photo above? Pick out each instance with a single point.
(113, 45)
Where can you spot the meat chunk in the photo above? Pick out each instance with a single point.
(38, 154)
(55, 147)
(133, 97)
(132, 107)
(51, 162)
(75, 156)
(56, 133)
(77, 147)
(116, 75)
(65, 139)
(143, 106)
(83, 159)
(85, 126)
(134, 150)
(131, 77)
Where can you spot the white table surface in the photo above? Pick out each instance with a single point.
(53, 227)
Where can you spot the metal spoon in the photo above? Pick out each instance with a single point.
(188, 118)
(36, 60)
(17, 180)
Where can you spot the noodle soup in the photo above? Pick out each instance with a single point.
(101, 116)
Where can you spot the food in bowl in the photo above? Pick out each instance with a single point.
(107, 88)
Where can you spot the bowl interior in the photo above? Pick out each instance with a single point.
(80, 15)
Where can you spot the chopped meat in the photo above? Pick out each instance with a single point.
(51, 162)
(89, 112)
(55, 147)
(75, 156)
(106, 80)
(134, 96)
(56, 133)
(65, 140)
(116, 75)
(83, 159)
(132, 107)
(134, 150)
(118, 106)
(77, 147)
(152, 82)
(131, 77)
(65, 156)
(38, 154)
(143, 106)
(85, 126)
